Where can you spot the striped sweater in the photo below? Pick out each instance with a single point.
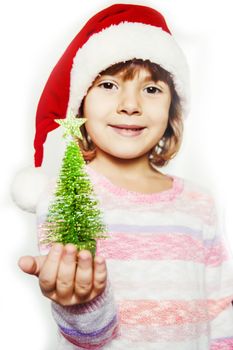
(170, 276)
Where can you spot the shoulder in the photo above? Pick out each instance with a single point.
(194, 190)
(198, 203)
(197, 197)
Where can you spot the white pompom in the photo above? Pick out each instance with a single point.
(27, 188)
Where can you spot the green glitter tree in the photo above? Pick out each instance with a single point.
(74, 216)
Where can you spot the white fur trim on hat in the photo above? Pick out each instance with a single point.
(123, 42)
(27, 187)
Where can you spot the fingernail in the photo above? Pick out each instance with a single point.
(69, 252)
(57, 248)
(85, 255)
(70, 249)
(99, 260)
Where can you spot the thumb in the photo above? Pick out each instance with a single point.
(31, 265)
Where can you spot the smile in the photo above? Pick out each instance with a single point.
(127, 130)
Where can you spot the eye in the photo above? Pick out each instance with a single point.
(152, 90)
(107, 85)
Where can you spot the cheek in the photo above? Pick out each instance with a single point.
(94, 110)
(159, 117)
(94, 127)
(160, 111)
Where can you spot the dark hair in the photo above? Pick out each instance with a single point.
(170, 143)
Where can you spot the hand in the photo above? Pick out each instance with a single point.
(67, 277)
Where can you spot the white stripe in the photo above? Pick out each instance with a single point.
(143, 279)
(179, 280)
(219, 280)
(201, 343)
(153, 217)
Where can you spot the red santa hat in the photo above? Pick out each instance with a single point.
(118, 33)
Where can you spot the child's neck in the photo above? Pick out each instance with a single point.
(133, 175)
(137, 168)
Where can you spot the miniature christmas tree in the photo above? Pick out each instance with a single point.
(74, 216)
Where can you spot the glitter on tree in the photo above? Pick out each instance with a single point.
(74, 216)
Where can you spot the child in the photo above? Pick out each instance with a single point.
(163, 280)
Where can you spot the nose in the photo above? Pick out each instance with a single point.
(129, 102)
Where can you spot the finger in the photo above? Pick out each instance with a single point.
(48, 274)
(84, 274)
(66, 272)
(31, 265)
(100, 274)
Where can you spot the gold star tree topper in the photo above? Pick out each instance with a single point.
(72, 125)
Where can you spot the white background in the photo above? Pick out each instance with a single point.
(34, 34)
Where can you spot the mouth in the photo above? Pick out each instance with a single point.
(127, 130)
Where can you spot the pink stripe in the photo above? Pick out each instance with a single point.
(170, 312)
(166, 246)
(91, 346)
(216, 254)
(222, 344)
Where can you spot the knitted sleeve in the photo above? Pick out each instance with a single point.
(219, 286)
(89, 325)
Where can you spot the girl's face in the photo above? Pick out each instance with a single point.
(126, 119)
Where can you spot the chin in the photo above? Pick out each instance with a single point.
(126, 155)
